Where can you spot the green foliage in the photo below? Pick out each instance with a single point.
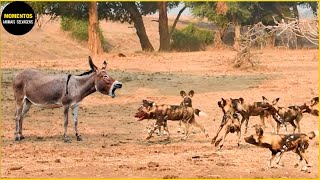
(79, 30)
(191, 38)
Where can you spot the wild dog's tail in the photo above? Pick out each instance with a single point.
(198, 112)
(313, 134)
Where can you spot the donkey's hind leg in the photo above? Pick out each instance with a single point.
(65, 136)
(23, 105)
(75, 121)
(26, 106)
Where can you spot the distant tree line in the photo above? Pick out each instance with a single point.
(222, 14)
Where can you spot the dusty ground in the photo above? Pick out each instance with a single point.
(114, 142)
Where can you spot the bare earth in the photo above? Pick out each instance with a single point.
(114, 142)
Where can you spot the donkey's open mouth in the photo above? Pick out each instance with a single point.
(116, 85)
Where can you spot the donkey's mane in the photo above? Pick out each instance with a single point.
(86, 73)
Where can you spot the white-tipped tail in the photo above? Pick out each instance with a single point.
(316, 132)
(203, 114)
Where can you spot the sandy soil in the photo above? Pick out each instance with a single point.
(114, 142)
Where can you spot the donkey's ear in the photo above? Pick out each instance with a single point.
(104, 65)
(191, 93)
(183, 94)
(92, 66)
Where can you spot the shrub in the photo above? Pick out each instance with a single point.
(191, 38)
(79, 30)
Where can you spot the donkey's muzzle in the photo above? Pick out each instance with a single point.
(116, 85)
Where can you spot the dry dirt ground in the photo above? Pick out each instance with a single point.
(114, 143)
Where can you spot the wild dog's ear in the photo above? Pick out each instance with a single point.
(92, 66)
(241, 100)
(274, 102)
(104, 65)
(265, 100)
(220, 104)
(183, 94)
(224, 102)
(191, 93)
(314, 101)
(259, 131)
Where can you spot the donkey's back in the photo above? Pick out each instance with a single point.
(38, 87)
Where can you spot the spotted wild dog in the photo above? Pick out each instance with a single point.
(231, 125)
(186, 102)
(253, 109)
(313, 107)
(165, 112)
(280, 143)
(227, 107)
(291, 115)
(148, 104)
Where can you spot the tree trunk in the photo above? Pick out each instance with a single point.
(139, 25)
(299, 40)
(94, 42)
(163, 27)
(237, 28)
(176, 21)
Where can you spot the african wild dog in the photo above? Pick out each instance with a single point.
(232, 124)
(186, 102)
(291, 115)
(227, 107)
(253, 109)
(164, 112)
(313, 107)
(280, 143)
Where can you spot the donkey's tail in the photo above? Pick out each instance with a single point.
(198, 112)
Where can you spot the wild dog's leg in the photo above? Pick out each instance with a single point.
(165, 127)
(245, 119)
(158, 123)
(272, 124)
(75, 121)
(195, 124)
(278, 127)
(279, 158)
(226, 131)
(298, 122)
(180, 129)
(187, 125)
(273, 153)
(220, 128)
(65, 136)
(293, 125)
(263, 124)
(239, 135)
(305, 167)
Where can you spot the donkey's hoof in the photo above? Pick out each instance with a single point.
(67, 140)
(17, 138)
(79, 138)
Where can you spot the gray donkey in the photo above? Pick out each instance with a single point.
(62, 90)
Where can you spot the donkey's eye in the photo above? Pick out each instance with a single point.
(106, 76)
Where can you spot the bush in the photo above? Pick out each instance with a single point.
(191, 38)
(79, 30)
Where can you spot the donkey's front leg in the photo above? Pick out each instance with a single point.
(65, 136)
(75, 120)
